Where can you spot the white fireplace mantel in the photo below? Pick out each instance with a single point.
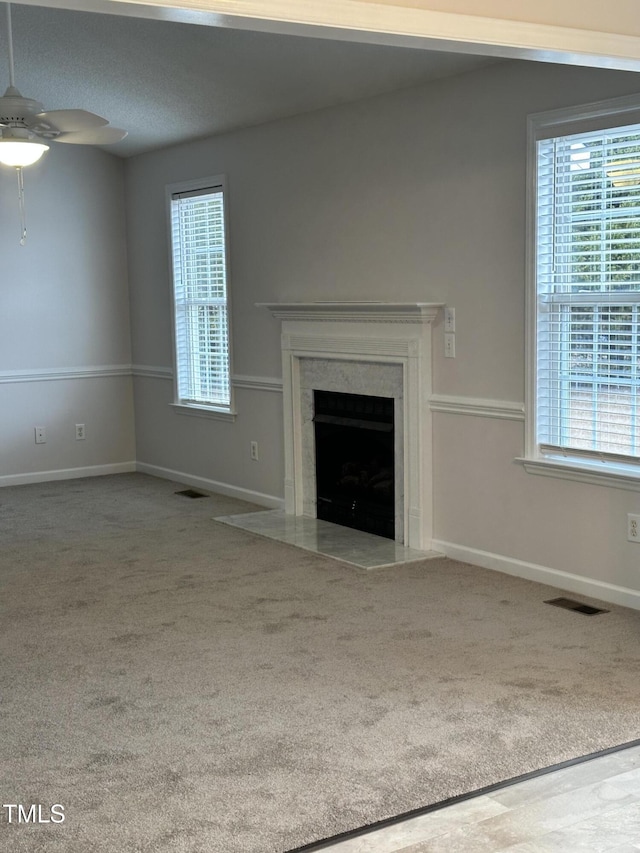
(355, 312)
(378, 348)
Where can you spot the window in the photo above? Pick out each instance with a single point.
(201, 324)
(585, 290)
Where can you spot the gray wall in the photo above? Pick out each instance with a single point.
(419, 196)
(64, 310)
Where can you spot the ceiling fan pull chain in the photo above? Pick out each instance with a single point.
(21, 204)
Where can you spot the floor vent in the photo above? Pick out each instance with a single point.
(191, 493)
(578, 606)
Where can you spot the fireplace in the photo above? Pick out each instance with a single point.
(354, 461)
(367, 349)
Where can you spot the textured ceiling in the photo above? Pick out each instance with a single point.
(170, 82)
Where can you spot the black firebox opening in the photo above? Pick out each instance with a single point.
(355, 461)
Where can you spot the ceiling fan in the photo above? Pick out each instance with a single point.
(26, 127)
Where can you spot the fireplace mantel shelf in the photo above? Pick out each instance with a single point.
(370, 312)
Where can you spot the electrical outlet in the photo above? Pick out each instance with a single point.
(80, 433)
(633, 528)
(254, 451)
(449, 345)
(41, 435)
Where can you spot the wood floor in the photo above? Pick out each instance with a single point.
(593, 806)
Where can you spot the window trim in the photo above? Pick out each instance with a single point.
(216, 412)
(600, 115)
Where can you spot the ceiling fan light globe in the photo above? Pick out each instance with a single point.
(21, 152)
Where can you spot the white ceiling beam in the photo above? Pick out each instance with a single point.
(574, 32)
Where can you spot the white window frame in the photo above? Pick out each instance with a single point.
(181, 406)
(600, 470)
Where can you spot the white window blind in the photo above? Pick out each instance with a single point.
(200, 297)
(588, 294)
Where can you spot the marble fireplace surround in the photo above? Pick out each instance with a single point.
(377, 348)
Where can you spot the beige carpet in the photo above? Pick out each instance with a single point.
(180, 685)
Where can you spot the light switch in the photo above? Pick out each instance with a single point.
(449, 319)
(449, 345)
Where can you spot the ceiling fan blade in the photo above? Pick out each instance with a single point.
(93, 136)
(67, 121)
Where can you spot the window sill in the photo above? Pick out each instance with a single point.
(617, 476)
(203, 412)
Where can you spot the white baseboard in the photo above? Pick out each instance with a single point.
(600, 590)
(212, 486)
(67, 474)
